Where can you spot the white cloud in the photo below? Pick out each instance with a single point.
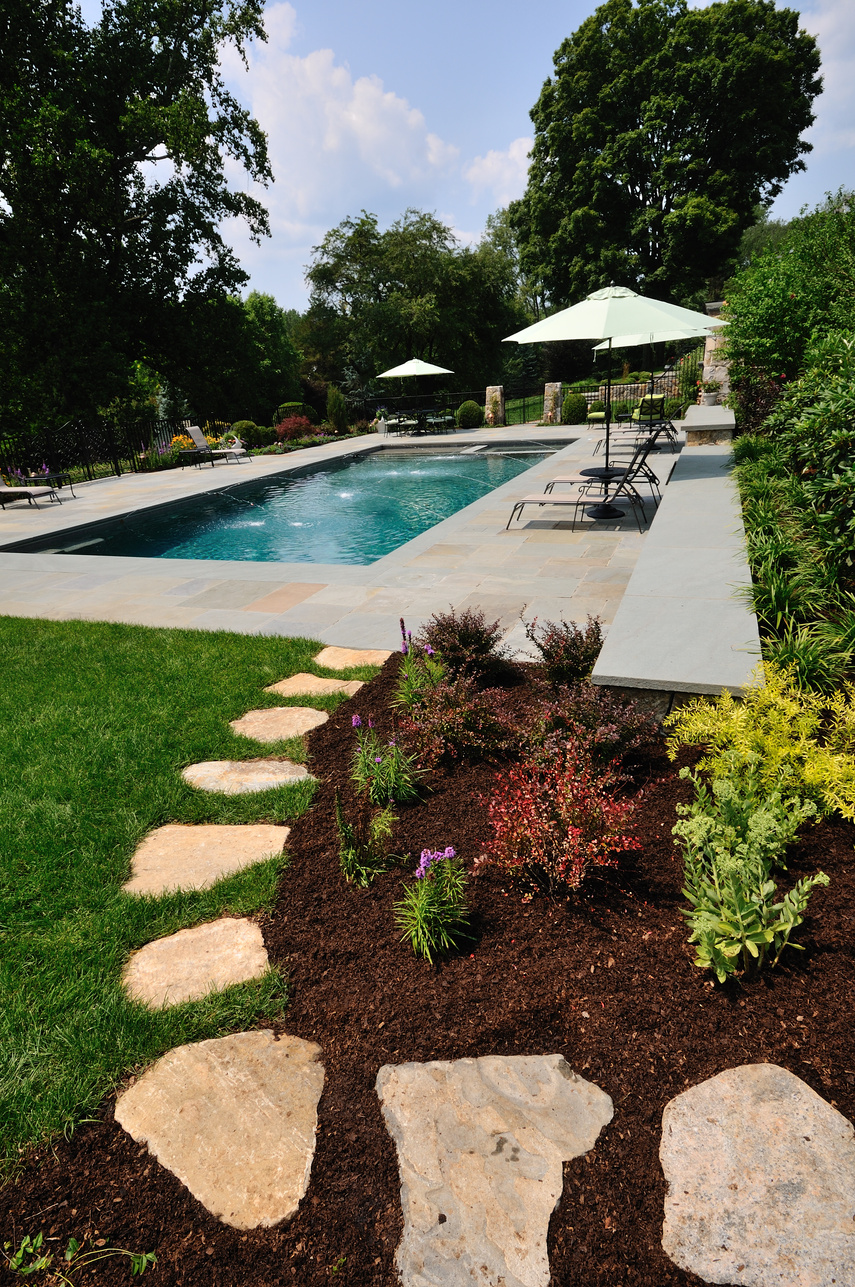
(336, 143)
(502, 173)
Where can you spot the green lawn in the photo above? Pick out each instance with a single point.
(97, 722)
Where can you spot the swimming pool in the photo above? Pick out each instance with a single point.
(354, 510)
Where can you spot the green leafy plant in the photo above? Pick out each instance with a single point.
(470, 415)
(574, 410)
(733, 836)
(432, 914)
(597, 405)
(76, 1259)
(567, 651)
(362, 849)
(421, 672)
(337, 412)
(803, 741)
(382, 769)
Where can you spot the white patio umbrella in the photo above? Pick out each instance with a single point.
(415, 366)
(616, 314)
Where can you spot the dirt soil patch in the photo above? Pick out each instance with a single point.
(606, 980)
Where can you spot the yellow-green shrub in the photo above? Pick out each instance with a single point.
(802, 741)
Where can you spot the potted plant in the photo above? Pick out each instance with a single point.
(709, 390)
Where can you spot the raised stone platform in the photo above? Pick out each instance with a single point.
(708, 426)
(683, 626)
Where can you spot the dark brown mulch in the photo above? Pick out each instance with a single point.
(606, 980)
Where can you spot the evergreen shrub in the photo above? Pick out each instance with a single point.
(574, 410)
(470, 415)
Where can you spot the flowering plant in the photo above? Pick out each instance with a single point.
(709, 386)
(432, 914)
(381, 769)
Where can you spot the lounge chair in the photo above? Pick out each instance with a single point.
(32, 494)
(205, 452)
(595, 491)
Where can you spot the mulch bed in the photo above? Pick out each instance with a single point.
(606, 980)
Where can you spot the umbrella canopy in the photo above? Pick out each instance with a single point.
(616, 314)
(630, 341)
(612, 313)
(415, 366)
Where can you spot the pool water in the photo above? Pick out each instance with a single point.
(350, 511)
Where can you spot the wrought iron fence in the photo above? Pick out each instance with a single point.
(94, 447)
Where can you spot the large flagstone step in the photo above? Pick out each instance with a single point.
(243, 777)
(275, 723)
(190, 964)
(182, 856)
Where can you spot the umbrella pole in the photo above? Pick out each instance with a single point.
(608, 399)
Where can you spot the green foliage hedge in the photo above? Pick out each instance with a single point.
(574, 410)
(470, 415)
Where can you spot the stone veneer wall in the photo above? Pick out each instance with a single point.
(552, 404)
(495, 415)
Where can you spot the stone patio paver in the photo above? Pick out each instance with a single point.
(194, 962)
(342, 658)
(305, 685)
(761, 1182)
(234, 1119)
(274, 724)
(241, 777)
(480, 1145)
(179, 856)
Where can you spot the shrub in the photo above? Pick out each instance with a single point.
(382, 770)
(286, 409)
(574, 410)
(802, 741)
(568, 653)
(337, 413)
(733, 836)
(599, 723)
(466, 643)
(432, 913)
(551, 823)
(294, 428)
(621, 408)
(673, 409)
(362, 847)
(243, 428)
(455, 719)
(597, 405)
(470, 415)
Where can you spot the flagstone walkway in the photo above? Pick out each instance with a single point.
(760, 1169)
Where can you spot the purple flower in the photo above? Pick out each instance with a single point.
(429, 650)
(356, 722)
(370, 721)
(428, 858)
(378, 759)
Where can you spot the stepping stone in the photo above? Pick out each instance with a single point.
(761, 1182)
(234, 1120)
(305, 685)
(480, 1149)
(240, 777)
(189, 857)
(278, 722)
(196, 961)
(342, 658)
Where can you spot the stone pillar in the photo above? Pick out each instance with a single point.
(715, 367)
(494, 407)
(552, 404)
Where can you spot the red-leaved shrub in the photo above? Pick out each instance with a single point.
(455, 720)
(551, 822)
(294, 427)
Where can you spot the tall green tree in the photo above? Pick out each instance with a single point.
(113, 145)
(379, 298)
(659, 133)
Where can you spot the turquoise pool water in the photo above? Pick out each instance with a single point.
(352, 511)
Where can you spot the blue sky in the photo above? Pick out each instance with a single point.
(383, 105)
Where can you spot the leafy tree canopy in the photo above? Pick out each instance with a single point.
(379, 298)
(113, 143)
(796, 290)
(660, 132)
